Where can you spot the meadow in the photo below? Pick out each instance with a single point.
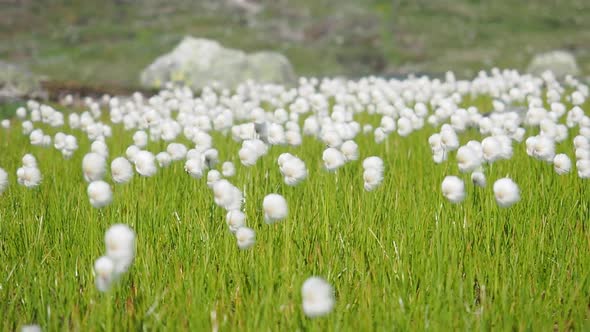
(399, 256)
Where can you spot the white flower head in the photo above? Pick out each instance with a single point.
(562, 164)
(164, 159)
(121, 170)
(467, 159)
(145, 163)
(292, 168)
(140, 139)
(373, 162)
(226, 195)
(212, 177)
(478, 179)
(228, 169)
(94, 167)
(194, 167)
(453, 189)
(29, 177)
(29, 160)
(98, 147)
(104, 273)
(100, 194)
(3, 180)
(318, 297)
(177, 151)
(583, 167)
(246, 237)
(333, 159)
(275, 208)
(373, 178)
(506, 192)
(235, 219)
(120, 244)
(350, 150)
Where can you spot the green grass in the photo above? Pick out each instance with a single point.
(401, 257)
(102, 42)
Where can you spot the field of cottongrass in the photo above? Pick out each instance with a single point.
(349, 243)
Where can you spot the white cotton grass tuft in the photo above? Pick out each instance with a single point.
(562, 164)
(3, 180)
(120, 247)
(140, 139)
(99, 194)
(29, 160)
(29, 176)
(478, 179)
(506, 192)
(120, 252)
(292, 168)
(245, 237)
(164, 159)
(228, 169)
(318, 297)
(98, 147)
(94, 167)
(194, 167)
(373, 172)
(350, 150)
(453, 189)
(145, 163)
(212, 177)
(31, 328)
(333, 159)
(177, 151)
(235, 219)
(121, 170)
(583, 167)
(227, 196)
(104, 269)
(467, 159)
(275, 208)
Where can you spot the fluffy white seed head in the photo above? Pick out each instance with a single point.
(140, 139)
(194, 167)
(228, 169)
(104, 271)
(235, 219)
(506, 192)
(318, 297)
(94, 167)
(467, 159)
(120, 247)
(350, 150)
(29, 177)
(478, 179)
(275, 208)
(246, 237)
(3, 180)
(453, 189)
(121, 170)
(29, 160)
(333, 159)
(100, 194)
(145, 163)
(212, 177)
(372, 178)
(562, 164)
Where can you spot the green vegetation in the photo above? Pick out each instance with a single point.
(112, 41)
(401, 257)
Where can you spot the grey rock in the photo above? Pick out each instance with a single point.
(561, 63)
(17, 82)
(199, 62)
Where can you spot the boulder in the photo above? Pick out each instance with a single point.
(199, 62)
(561, 63)
(17, 83)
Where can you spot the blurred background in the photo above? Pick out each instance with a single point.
(110, 42)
